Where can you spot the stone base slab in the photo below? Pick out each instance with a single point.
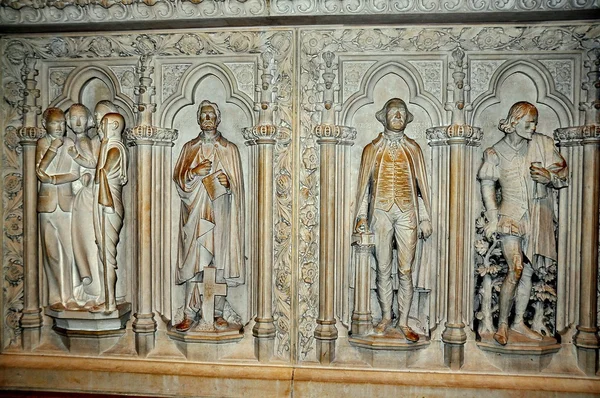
(90, 321)
(177, 379)
(203, 345)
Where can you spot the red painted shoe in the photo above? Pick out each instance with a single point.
(184, 325)
(409, 334)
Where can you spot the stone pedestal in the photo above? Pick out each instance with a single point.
(520, 354)
(90, 333)
(202, 345)
(362, 320)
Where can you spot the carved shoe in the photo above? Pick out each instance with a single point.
(72, 305)
(58, 307)
(184, 325)
(520, 327)
(501, 336)
(221, 323)
(383, 325)
(409, 334)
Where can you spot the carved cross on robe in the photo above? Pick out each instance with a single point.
(208, 288)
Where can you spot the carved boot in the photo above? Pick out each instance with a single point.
(383, 325)
(501, 336)
(409, 334)
(58, 307)
(521, 328)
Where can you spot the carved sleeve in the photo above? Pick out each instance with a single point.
(488, 175)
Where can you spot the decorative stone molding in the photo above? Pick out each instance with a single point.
(350, 7)
(151, 134)
(442, 134)
(16, 12)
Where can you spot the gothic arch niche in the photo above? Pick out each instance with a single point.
(514, 81)
(385, 80)
(88, 85)
(91, 84)
(212, 83)
(521, 81)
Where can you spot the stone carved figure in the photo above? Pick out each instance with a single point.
(56, 172)
(393, 203)
(209, 181)
(111, 176)
(85, 153)
(526, 166)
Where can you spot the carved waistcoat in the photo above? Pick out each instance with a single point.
(514, 180)
(394, 180)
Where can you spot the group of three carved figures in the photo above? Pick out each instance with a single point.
(393, 203)
(80, 205)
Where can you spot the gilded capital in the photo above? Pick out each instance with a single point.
(151, 135)
(30, 135)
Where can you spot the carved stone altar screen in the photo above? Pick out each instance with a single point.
(299, 105)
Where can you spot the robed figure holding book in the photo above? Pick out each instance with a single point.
(209, 181)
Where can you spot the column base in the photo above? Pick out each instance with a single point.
(326, 334)
(144, 327)
(264, 349)
(454, 338)
(587, 344)
(325, 351)
(362, 323)
(31, 322)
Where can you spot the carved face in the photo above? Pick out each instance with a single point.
(99, 113)
(110, 126)
(208, 118)
(396, 116)
(55, 125)
(78, 120)
(526, 126)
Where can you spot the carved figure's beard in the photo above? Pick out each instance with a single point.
(208, 125)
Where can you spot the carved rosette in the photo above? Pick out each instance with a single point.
(150, 135)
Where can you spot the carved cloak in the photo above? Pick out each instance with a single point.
(197, 247)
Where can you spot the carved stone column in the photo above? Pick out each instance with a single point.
(329, 136)
(569, 141)
(143, 137)
(262, 137)
(586, 339)
(362, 321)
(31, 321)
(461, 139)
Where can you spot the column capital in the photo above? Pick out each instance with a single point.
(455, 133)
(151, 135)
(260, 134)
(577, 135)
(29, 135)
(333, 134)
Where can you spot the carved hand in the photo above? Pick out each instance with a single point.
(203, 169)
(85, 179)
(224, 180)
(490, 229)
(425, 229)
(540, 174)
(56, 143)
(72, 151)
(362, 226)
(108, 210)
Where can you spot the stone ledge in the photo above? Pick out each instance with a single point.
(170, 378)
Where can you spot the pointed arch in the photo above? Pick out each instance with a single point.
(79, 78)
(186, 93)
(541, 78)
(405, 71)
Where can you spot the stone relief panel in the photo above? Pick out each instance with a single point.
(112, 78)
(366, 67)
(493, 55)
